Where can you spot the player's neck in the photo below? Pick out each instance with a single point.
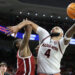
(56, 38)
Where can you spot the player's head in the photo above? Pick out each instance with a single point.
(57, 32)
(17, 43)
(3, 67)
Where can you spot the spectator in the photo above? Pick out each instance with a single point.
(3, 68)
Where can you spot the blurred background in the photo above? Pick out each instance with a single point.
(47, 14)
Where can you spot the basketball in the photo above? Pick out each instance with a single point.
(71, 10)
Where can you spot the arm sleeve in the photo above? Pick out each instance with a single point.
(62, 45)
(42, 33)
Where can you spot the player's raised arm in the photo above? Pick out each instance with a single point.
(15, 29)
(36, 28)
(69, 34)
(25, 41)
(24, 47)
(28, 22)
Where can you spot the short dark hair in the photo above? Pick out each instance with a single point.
(16, 41)
(3, 63)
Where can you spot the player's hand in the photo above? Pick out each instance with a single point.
(28, 22)
(11, 30)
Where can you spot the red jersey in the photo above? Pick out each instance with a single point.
(25, 65)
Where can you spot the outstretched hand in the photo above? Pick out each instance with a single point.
(15, 29)
(11, 30)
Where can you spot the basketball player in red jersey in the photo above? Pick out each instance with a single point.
(25, 59)
(52, 46)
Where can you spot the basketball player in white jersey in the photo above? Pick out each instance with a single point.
(51, 49)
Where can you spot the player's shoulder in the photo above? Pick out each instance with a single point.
(46, 39)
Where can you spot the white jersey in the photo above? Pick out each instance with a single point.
(50, 53)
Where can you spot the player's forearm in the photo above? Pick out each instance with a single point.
(25, 41)
(71, 31)
(28, 31)
(27, 37)
(21, 24)
(27, 22)
(27, 34)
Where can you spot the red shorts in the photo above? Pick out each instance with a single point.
(49, 74)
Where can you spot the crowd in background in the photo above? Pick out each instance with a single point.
(10, 70)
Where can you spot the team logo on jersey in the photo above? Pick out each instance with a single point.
(55, 42)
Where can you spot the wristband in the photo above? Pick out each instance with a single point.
(66, 38)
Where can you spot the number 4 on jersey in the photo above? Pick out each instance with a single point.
(47, 53)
